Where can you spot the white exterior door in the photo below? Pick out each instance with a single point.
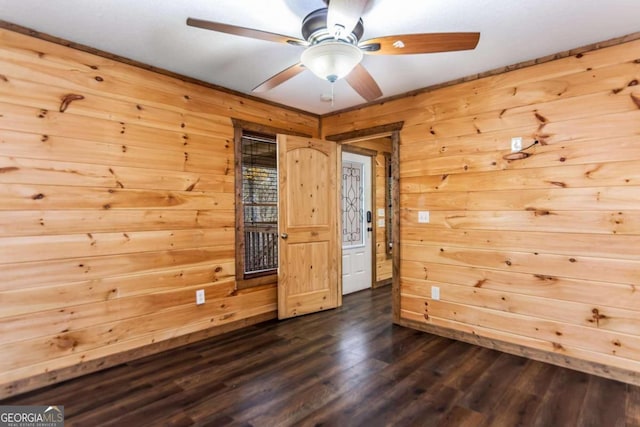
(357, 261)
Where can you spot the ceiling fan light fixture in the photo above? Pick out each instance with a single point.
(331, 60)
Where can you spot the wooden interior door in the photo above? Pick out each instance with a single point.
(309, 249)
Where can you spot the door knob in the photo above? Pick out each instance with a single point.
(284, 236)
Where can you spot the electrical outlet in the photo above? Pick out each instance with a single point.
(516, 144)
(423, 217)
(435, 292)
(200, 296)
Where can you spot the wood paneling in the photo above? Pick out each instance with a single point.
(538, 253)
(116, 204)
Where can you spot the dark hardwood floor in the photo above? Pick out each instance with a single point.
(344, 367)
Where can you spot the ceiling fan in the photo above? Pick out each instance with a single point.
(333, 47)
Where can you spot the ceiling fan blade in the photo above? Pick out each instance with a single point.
(407, 44)
(343, 16)
(280, 78)
(245, 32)
(363, 83)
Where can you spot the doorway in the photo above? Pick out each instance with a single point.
(357, 218)
(378, 216)
(296, 294)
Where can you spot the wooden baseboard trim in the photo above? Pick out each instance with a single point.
(38, 381)
(599, 369)
(382, 283)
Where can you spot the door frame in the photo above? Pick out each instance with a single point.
(240, 126)
(371, 154)
(391, 130)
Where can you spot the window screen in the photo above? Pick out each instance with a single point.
(260, 203)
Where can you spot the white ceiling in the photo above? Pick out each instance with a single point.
(154, 32)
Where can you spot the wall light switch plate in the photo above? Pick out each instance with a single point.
(435, 293)
(200, 296)
(516, 144)
(381, 212)
(381, 223)
(423, 217)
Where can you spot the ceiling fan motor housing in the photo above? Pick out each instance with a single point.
(314, 28)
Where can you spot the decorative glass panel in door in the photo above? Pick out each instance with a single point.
(352, 204)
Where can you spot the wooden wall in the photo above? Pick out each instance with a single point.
(116, 204)
(539, 256)
(383, 262)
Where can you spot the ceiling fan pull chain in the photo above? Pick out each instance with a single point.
(332, 95)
